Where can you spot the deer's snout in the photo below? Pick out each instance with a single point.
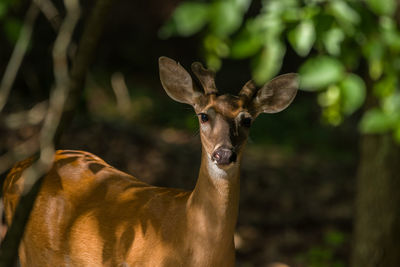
(224, 156)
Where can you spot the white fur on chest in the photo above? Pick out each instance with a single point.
(219, 173)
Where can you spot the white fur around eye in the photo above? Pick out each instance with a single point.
(204, 126)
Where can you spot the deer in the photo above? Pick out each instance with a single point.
(88, 213)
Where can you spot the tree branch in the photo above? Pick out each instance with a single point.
(9, 247)
(18, 54)
(67, 91)
(83, 59)
(50, 11)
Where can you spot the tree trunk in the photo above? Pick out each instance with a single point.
(377, 221)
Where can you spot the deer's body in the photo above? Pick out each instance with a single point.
(88, 213)
(91, 214)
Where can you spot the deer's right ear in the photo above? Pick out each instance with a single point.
(176, 81)
(276, 95)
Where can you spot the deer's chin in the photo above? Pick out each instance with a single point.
(225, 166)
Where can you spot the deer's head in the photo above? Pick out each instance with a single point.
(225, 119)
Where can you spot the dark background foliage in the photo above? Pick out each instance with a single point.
(298, 175)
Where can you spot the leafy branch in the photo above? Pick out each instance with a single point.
(337, 37)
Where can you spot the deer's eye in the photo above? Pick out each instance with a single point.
(203, 117)
(246, 122)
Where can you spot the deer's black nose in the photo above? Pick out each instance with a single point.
(224, 156)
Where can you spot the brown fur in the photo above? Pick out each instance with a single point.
(88, 213)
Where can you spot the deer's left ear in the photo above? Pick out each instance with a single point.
(276, 95)
(177, 82)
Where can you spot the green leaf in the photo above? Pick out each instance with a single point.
(385, 86)
(319, 72)
(391, 105)
(329, 100)
(268, 62)
(375, 69)
(392, 39)
(375, 121)
(292, 14)
(374, 48)
(329, 97)
(332, 40)
(225, 17)
(374, 51)
(242, 4)
(332, 115)
(302, 37)
(190, 17)
(310, 11)
(213, 62)
(344, 12)
(353, 93)
(216, 45)
(382, 7)
(390, 33)
(246, 44)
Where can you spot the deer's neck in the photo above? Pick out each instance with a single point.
(213, 205)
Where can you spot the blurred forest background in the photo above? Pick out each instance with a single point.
(320, 180)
